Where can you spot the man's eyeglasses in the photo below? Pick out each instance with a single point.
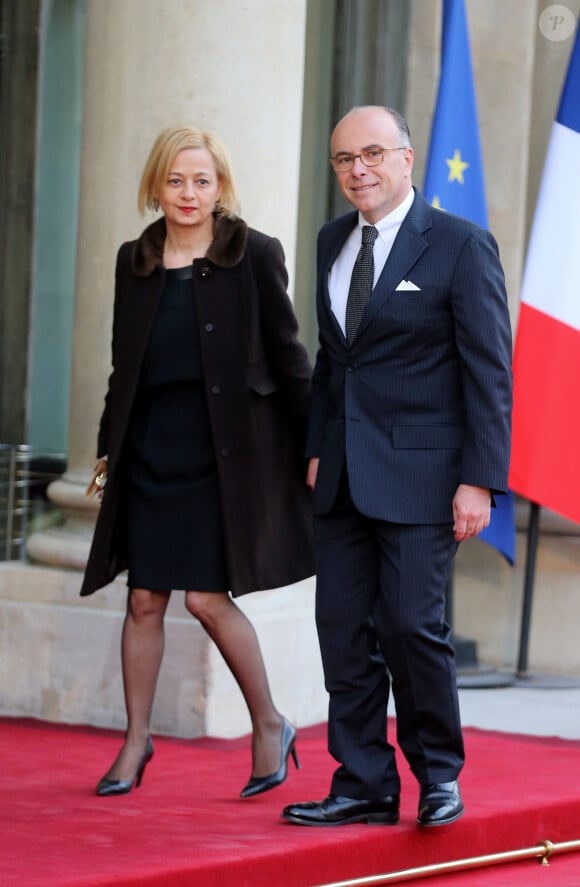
(369, 157)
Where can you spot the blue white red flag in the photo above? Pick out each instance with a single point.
(546, 419)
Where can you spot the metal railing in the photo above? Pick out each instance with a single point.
(25, 473)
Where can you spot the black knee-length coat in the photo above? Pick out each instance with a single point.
(257, 378)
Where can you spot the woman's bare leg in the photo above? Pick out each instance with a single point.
(142, 647)
(236, 639)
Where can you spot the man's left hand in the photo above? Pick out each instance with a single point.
(471, 511)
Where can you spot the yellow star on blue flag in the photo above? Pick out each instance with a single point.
(457, 166)
(454, 168)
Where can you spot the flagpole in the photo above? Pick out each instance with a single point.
(522, 677)
(529, 578)
(465, 648)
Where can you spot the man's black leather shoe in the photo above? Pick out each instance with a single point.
(336, 810)
(439, 803)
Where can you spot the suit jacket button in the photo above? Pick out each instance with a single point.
(225, 452)
(209, 327)
(205, 271)
(215, 389)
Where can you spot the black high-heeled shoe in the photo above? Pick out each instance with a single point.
(258, 784)
(108, 786)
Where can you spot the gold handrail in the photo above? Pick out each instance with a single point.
(543, 851)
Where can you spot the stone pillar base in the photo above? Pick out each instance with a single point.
(61, 657)
(67, 545)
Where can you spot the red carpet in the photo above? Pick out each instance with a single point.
(186, 825)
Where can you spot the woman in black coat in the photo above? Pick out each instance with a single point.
(203, 433)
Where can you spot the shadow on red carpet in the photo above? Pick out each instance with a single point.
(187, 826)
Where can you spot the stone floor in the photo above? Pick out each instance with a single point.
(534, 709)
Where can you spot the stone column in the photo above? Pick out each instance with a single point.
(192, 61)
(235, 68)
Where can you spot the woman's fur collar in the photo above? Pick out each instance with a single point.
(226, 250)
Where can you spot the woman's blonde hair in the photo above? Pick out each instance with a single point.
(164, 151)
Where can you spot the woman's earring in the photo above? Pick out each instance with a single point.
(218, 207)
(155, 204)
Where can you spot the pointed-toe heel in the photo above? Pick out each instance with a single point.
(258, 784)
(107, 786)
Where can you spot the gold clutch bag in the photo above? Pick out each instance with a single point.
(99, 478)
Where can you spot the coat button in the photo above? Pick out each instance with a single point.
(225, 452)
(215, 389)
(205, 271)
(209, 327)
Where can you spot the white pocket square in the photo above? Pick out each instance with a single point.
(408, 285)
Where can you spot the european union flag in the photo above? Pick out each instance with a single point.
(454, 183)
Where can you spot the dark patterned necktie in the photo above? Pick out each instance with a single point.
(361, 282)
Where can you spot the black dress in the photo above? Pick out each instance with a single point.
(174, 525)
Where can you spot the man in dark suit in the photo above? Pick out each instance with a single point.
(409, 442)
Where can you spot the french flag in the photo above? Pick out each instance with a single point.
(545, 462)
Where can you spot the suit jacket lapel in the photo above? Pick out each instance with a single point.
(408, 246)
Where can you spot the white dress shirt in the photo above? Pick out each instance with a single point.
(341, 271)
